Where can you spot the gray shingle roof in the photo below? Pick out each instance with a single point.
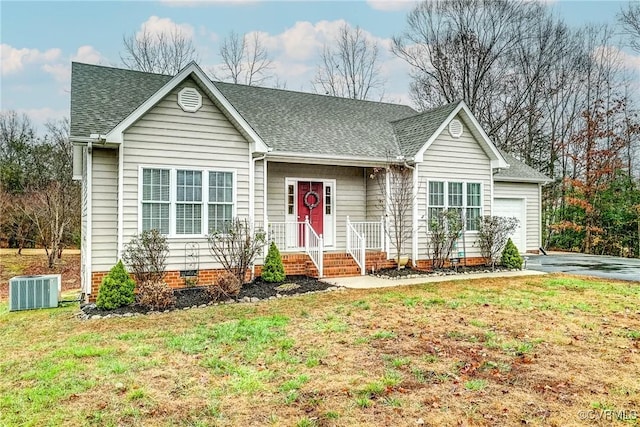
(413, 132)
(310, 123)
(519, 171)
(101, 97)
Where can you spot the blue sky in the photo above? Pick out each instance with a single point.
(40, 39)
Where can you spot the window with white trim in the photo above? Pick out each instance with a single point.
(188, 202)
(220, 200)
(181, 202)
(455, 195)
(156, 201)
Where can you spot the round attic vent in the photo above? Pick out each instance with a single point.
(455, 128)
(189, 99)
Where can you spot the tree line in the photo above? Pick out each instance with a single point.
(558, 98)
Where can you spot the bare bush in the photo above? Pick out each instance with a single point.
(236, 246)
(442, 234)
(156, 295)
(146, 256)
(493, 233)
(226, 286)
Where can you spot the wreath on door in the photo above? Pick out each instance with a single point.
(308, 203)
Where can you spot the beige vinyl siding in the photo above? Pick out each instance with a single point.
(104, 209)
(258, 203)
(167, 136)
(350, 192)
(453, 159)
(530, 192)
(374, 196)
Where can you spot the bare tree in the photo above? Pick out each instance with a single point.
(351, 68)
(165, 52)
(396, 200)
(245, 60)
(630, 20)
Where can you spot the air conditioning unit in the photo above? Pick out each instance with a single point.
(31, 292)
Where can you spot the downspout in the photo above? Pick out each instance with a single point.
(252, 170)
(120, 198)
(89, 270)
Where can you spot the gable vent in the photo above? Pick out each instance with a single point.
(189, 99)
(455, 128)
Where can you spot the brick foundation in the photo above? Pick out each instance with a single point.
(427, 264)
(336, 264)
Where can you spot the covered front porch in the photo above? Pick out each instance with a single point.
(366, 247)
(326, 220)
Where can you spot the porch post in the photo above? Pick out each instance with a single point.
(383, 234)
(306, 233)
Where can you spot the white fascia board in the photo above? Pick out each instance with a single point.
(116, 134)
(497, 161)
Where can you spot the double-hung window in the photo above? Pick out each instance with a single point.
(462, 197)
(220, 200)
(186, 202)
(156, 201)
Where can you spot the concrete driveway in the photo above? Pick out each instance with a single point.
(608, 267)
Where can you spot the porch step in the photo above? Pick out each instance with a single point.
(336, 264)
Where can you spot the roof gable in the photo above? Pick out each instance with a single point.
(460, 108)
(98, 108)
(519, 172)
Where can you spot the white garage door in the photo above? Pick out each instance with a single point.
(513, 208)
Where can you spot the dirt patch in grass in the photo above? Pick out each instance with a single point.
(34, 261)
(542, 350)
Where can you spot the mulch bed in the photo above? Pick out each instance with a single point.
(393, 273)
(198, 296)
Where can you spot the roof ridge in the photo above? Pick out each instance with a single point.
(319, 95)
(429, 111)
(128, 70)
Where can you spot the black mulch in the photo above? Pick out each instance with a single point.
(405, 272)
(196, 296)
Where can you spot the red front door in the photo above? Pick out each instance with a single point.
(310, 204)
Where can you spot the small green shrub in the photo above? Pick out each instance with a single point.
(273, 269)
(156, 295)
(116, 289)
(511, 257)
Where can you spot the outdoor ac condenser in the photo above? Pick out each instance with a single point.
(31, 292)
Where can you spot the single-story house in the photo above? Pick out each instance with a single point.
(184, 154)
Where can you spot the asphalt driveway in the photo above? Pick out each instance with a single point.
(608, 267)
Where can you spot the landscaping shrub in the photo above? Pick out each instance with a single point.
(236, 246)
(227, 286)
(156, 295)
(444, 230)
(273, 269)
(146, 256)
(510, 256)
(116, 289)
(493, 232)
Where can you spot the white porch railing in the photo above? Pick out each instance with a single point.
(314, 247)
(374, 232)
(298, 236)
(356, 246)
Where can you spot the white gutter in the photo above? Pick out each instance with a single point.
(414, 219)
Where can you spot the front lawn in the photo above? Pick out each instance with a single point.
(542, 350)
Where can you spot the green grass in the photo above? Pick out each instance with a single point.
(347, 358)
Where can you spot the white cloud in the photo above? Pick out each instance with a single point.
(14, 60)
(392, 5)
(157, 25)
(88, 55)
